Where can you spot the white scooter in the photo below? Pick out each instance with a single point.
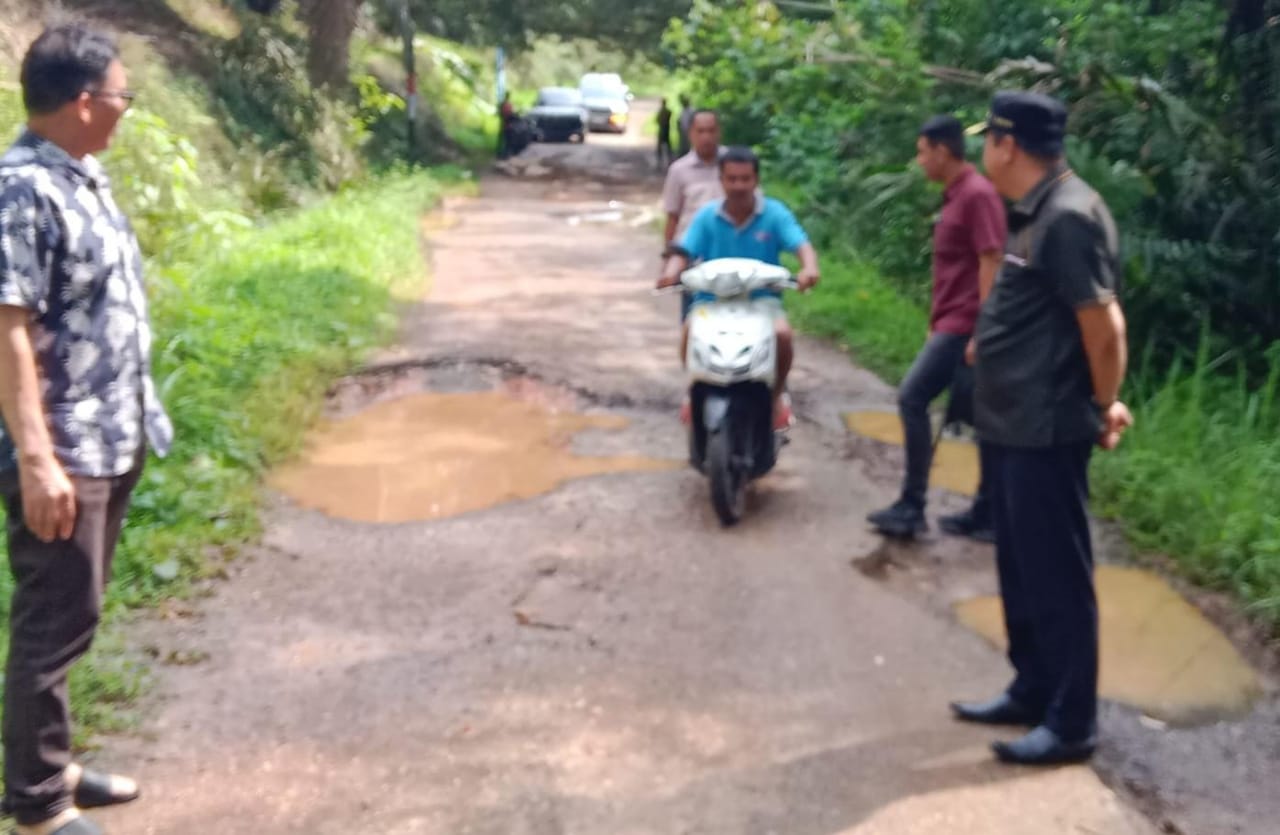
(732, 365)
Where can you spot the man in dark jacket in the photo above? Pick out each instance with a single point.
(1051, 358)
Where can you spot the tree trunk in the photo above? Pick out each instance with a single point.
(330, 24)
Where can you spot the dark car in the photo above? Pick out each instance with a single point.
(558, 116)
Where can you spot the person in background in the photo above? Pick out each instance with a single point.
(1051, 357)
(968, 244)
(693, 181)
(79, 407)
(685, 124)
(506, 115)
(664, 135)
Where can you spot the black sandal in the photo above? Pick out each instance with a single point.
(79, 826)
(94, 791)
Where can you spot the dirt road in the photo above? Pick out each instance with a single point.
(601, 659)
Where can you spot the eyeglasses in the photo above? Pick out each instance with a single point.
(126, 96)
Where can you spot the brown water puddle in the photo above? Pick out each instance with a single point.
(955, 463)
(431, 456)
(1158, 653)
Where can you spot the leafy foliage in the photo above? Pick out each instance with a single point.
(618, 23)
(1173, 117)
(262, 87)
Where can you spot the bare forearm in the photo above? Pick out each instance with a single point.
(676, 264)
(808, 257)
(988, 266)
(1103, 331)
(1108, 367)
(669, 235)
(20, 388)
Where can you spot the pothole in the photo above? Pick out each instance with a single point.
(1158, 653)
(955, 463)
(613, 213)
(413, 455)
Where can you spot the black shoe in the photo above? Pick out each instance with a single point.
(968, 524)
(1044, 747)
(1002, 710)
(903, 519)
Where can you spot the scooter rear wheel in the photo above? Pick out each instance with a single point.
(728, 483)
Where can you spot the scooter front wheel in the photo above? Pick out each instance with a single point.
(728, 482)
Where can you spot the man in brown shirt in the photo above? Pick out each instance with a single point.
(968, 241)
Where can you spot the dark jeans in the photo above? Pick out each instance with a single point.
(57, 600)
(665, 153)
(504, 141)
(1039, 500)
(931, 374)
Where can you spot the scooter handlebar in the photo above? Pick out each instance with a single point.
(728, 277)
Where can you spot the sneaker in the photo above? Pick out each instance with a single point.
(902, 519)
(972, 525)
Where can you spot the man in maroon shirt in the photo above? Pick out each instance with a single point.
(968, 246)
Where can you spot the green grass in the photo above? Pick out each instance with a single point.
(1198, 475)
(858, 308)
(248, 339)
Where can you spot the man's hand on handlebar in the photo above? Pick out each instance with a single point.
(677, 261)
(807, 278)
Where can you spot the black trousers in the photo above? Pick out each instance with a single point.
(57, 600)
(665, 153)
(1039, 500)
(932, 373)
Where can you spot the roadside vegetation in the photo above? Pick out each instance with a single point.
(1174, 111)
(281, 228)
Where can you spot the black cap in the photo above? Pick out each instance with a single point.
(942, 129)
(1037, 122)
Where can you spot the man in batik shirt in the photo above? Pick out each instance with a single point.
(79, 409)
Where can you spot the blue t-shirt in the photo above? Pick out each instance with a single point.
(772, 230)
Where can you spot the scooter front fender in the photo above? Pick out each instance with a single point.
(715, 410)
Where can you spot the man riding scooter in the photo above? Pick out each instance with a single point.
(745, 224)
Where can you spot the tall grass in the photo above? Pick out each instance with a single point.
(856, 306)
(1199, 475)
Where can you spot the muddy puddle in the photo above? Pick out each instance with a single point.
(431, 456)
(613, 213)
(955, 463)
(1158, 652)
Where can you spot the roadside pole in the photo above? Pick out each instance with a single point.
(501, 73)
